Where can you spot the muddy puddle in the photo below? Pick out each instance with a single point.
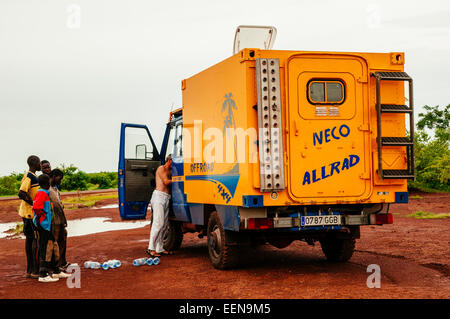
(112, 206)
(93, 225)
(107, 206)
(85, 226)
(4, 227)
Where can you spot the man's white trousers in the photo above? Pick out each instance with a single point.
(160, 223)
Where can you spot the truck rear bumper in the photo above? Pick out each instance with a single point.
(298, 223)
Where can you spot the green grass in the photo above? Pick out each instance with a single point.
(91, 187)
(428, 215)
(415, 197)
(416, 186)
(85, 201)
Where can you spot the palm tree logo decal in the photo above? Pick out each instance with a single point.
(229, 118)
(229, 122)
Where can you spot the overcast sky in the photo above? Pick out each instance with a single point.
(72, 70)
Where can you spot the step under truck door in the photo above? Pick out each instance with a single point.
(328, 116)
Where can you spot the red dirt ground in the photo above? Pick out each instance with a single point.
(413, 255)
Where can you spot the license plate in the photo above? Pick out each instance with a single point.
(324, 220)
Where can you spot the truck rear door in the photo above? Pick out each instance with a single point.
(328, 142)
(138, 160)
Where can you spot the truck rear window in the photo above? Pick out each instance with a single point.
(325, 92)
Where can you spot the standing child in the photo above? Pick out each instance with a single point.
(28, 189)
(59, 223)
(43, 220)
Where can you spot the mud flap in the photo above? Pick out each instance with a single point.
(229, 217)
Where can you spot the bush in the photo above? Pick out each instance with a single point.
(432, 154)
(104, 180)
(9, 185)
(74, 179)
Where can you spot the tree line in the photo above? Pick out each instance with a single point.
(74, 179)
(432, 154)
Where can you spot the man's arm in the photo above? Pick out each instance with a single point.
(25, 186)
(25, 197)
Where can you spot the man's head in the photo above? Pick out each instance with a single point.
(34, 163)
(46, 167)
(56, 177)
(168, 161)
(44, 181)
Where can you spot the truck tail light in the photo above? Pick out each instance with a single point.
(381, 219)
(259, 223)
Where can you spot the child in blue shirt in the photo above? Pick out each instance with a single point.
(43, 215)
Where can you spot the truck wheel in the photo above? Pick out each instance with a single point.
(338, 249)
(174, 236)
(222, 256)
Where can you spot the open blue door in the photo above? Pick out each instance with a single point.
(138, 160)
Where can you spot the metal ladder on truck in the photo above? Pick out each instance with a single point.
(409, 173)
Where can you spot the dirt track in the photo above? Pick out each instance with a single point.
(413, 256)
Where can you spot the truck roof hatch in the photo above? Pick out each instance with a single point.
(253, 36)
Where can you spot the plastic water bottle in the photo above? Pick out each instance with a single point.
(149, 261)
(105, 265)
(139, 261)
(96, 265)
(92, 265)
(156, 261)
(114, 263)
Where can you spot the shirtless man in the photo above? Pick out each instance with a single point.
(160, 209)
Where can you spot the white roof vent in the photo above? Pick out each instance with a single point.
(253, 36)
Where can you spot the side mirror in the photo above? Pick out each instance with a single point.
(141, 151)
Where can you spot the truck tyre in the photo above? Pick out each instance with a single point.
(174, 236)
(338, 249)
(221, 254)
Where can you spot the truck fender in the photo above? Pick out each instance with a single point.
(229, 217)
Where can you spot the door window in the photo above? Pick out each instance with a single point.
(174, 143)
(138, 144)
(170, 141)
(325, 92)
(317, 91)
(178, 151)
